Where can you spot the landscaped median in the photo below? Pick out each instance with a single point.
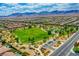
(76, 47)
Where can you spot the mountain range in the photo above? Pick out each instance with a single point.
(56, 12)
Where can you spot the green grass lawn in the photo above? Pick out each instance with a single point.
(25, 35)
(35, 33)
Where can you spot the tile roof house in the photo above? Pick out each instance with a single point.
(5, 51)
(8, 54)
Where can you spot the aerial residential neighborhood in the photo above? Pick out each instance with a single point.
(39, 33)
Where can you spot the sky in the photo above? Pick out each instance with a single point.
(10, 8)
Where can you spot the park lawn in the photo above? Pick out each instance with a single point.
(36, 33)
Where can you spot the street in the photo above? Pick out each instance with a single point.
(66, 47)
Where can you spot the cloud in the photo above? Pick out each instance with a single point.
(10, 8)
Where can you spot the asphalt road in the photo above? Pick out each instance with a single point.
(66, 47)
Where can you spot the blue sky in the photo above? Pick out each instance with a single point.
(10, 8)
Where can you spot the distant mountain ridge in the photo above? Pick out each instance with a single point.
(43, 13)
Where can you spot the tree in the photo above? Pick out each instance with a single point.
(0, 38)
(76, 28)
(61, 32)
(32, 40)
(58, 42)
(44, 40)
(76, 47)
(29, 40)
(17, 40)
(65, 27)
(49, 32)
(76, 44)
(30, 26)
(3, 42)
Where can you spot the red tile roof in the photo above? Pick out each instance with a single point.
(8, 54)
(3, 50)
